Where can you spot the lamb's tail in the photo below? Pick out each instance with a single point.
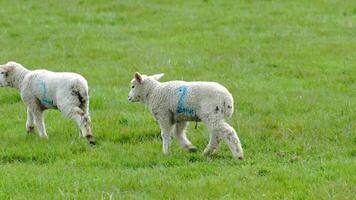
(228, 106)
(80, 90)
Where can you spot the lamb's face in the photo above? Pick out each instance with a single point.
(137, 88)
(3, 76)
(136, 91)
(139, 85)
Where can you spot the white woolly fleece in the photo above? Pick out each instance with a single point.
(174, 103)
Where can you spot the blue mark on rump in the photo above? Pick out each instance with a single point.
(45, 100)
(181, 108)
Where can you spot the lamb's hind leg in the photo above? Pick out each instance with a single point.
(180, 132)
(220, 129)
(231, 138)
(213, 143)
(83, 121)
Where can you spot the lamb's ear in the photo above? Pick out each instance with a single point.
(138, 77)
(8, 68)
(157, 77)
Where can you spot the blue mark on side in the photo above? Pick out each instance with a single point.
(181, 108)
(45, 100)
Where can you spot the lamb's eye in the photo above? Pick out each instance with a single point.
(2, 72)
(133, 86)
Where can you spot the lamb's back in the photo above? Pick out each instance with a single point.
(192, 94)
(195, 89)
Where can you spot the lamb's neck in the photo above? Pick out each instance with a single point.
(150, 90)
(17, 77)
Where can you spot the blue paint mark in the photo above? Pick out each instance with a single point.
(45, 100)
(181, 108)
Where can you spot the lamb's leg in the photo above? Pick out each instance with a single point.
(39, 120)
(213, 143)
(212, 124)
(180, 132)
(30, 123)
(166, 129)
(83, 121)
(231, 138)
(220, 129)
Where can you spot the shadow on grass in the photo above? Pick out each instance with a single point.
(132, 139)
(10, 159)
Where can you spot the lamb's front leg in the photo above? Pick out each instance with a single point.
(30, 123)
(38, 117)
(180, 131)
(166, 129)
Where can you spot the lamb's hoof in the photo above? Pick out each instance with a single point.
(192, 149)
(239, 157)
(91, 139)
(30, 129)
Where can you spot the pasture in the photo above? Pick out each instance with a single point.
(290, 65)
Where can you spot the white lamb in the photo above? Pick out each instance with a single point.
(174, 103)
(42, 89)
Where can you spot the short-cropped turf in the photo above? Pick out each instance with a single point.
(290, 65)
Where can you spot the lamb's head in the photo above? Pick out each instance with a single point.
(5, 71)
(141, 85)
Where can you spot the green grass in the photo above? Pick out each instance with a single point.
(291, 66)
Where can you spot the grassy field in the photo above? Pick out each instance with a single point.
(291, 66)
